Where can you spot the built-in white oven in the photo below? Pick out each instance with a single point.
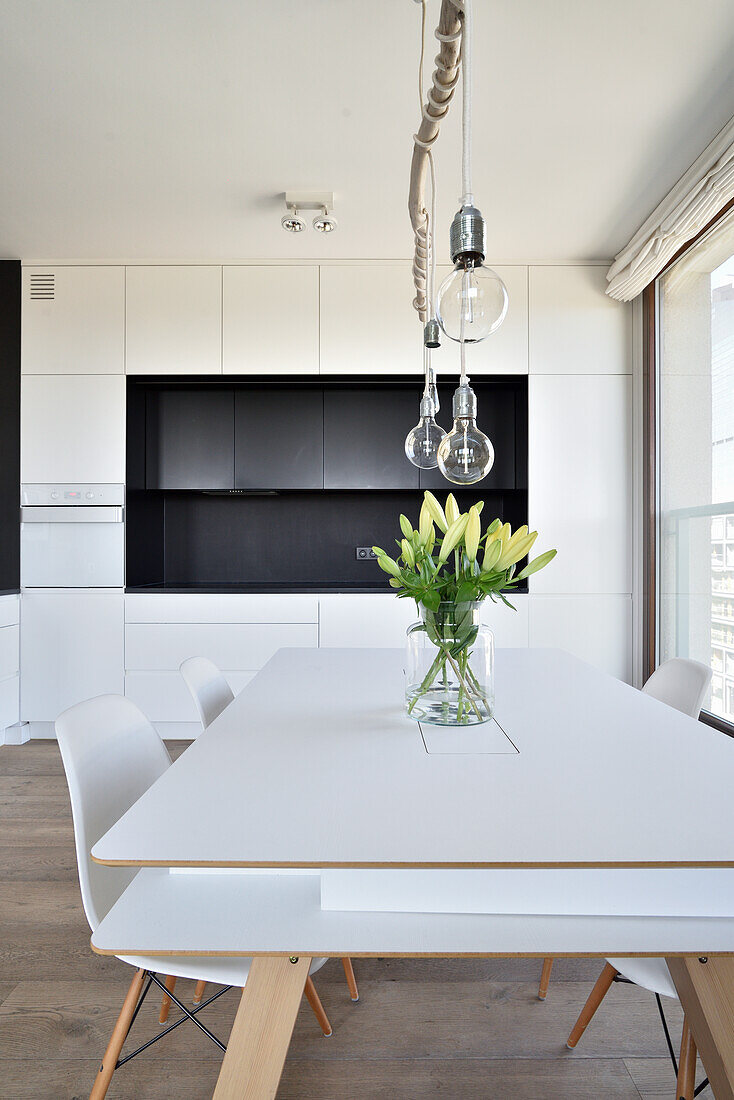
(72, 536)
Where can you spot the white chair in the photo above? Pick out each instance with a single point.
(208, 686)
(682, 684)
(211, 694)
(111, 756)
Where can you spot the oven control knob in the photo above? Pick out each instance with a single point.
(90, 496)
(54, 495)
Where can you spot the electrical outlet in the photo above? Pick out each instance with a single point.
(364, 553)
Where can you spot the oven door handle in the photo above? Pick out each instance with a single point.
(100, 513)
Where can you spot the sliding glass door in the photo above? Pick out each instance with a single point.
(695, 461)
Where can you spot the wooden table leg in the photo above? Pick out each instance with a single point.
(262, 1029)
(706, 990)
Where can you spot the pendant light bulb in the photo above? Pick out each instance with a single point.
(423, 441)
(466, 455)
(472, 296)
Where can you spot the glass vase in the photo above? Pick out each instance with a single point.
(450, 667)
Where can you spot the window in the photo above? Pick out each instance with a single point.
(695, 461)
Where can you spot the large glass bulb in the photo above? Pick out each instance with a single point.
(466, 455)
(472, 301)
(422, 441)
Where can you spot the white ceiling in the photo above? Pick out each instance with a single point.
(167, 129)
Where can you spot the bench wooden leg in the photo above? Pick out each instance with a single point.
(545, 979)
(596, 997)
(351, 980)
(118, 1037)
(261, 1033)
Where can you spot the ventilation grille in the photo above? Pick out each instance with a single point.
(43, 286)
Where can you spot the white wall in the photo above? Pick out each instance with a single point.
(572, 341)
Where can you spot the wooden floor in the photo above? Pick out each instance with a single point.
(454, 1029)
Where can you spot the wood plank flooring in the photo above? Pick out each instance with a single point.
(445, 1028)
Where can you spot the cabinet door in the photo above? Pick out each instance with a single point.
(364, 438)
(497, 418)
(506, 350)
(71, 648)
(173, 320)
(279, 438)
(189, 439)
(72, 428)
(368, 324)
(270, 320)
(73, 320)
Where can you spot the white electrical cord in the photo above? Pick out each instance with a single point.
(467, 198)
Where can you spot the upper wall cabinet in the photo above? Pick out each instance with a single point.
(189, 439)
(506, 350)
(174, 320)
(368, 324)
(73, 320)
(364, 433)
(575, 328)
(270, 320)
(72, 429)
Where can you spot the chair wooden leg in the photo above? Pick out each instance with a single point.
(545, 979)
(119, 1034)
(318, 1009)
(686, 1065)
(351, 980)
(169, 983)
(596, 997)
(199, 992)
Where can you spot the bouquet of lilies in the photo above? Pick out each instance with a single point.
(459, 564)
(449, 565)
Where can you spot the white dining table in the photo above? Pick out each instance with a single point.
(585, 819)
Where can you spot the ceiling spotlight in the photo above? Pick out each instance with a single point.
(324, 222)
(292, 222)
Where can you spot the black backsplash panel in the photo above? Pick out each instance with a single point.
(182, 534)
(301, 539)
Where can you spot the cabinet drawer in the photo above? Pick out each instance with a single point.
(171, 608)
(9, 651)
(229, 645)
(9, 610)
(9, 701)
(164, 697)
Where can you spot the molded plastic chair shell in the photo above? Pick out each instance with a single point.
(111, 756)
(208, 686)
(681, 684)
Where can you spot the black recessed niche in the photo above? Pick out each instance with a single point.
(256, 484)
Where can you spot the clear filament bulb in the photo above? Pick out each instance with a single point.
(472, 301)
(422, 443)
(466, 455)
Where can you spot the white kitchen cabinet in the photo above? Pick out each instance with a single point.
(71, 648)
(164, 697)
(245, 646)
(575, 328)
(506, 350)
(368, 324)
(580, 482)
(9, 651)
(204, 607)
(173, 320)
(72, 428)
(9, 610)
(73, 320)
(270, 320)
(373, 620)
(9, 703)
(597, 629)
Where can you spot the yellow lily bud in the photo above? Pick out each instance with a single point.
(473, 534)
(425, 523)
(406, 526)
(393, 583)
(452, 508)
(387, 565)
(408, 555)
(492, 551)
(437, 513)
(453, 537)
(431, 540)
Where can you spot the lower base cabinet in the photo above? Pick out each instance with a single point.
(71, 648)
